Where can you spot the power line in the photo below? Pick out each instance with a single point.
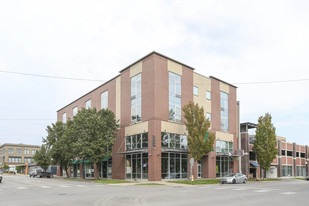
(11, 119)
(54, 77)
(97, 80)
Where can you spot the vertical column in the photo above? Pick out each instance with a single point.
(154, 150)
(294, 160)
(279, 168)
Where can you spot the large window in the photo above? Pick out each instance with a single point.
(18, 151)
(137, 166)
(224, 146)
(224, 166)
(175, 141)
(208, 116)
(104, 100)
(136, 98)
(64, 118)
(289, 153)
(174, 97)
(301, 171)
(29, 159)
(88, 104)
(287, 171)
(75, 111)
(195, 91)
(208, 95)
(224, 111)
(26, 151)
(174, 166)
(252, 156)
(11, 150)
(14, 159)
(138, 141)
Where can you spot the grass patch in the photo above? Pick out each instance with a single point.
(197, 182)
(298, 178)
(149, 184)
(111, 181)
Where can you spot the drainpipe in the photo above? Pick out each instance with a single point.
(239, 136)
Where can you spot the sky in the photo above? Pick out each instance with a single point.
(236, 41)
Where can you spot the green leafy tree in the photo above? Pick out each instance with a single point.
(95, 132)
(200, 141)
(6, 167)
(265, 144)
(18, 169)
(42, 157)
(60, 145)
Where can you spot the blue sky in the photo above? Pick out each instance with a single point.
(237, 41)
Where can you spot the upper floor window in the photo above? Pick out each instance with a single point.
(175, 141)
(64, 118)
(224, 146)
(75, 111)
(136, 98)
(137, 141)
(224, 111)
(26, 151)
(104, 100)
(208, 95)
(195, 91)
(88, 104)
(208, 116)
(174, 97)
(18, 151)
(11, 150)
(33, 151)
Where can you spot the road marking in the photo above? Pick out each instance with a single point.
(262, 191)
(288, 193)
(21, 188)
(81, 186)
(45, 187)
(221, 188)
(240, 189)
(63, 186)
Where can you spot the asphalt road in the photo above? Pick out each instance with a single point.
(23, 191)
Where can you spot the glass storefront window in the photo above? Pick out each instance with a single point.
(137, 166)
(174, 166)
(287, 171)
(224, 166)
(224, 146)
(137, 141)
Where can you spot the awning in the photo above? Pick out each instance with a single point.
(75, 162)
(84, 161)
(254, 164)
(106, 159)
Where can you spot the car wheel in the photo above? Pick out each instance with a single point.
(245, 181)
(0, 180)
(234, 181)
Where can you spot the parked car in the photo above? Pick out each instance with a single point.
(34, 172)
(44, 174)
(234, 178)
(307, 178)
(0, 176)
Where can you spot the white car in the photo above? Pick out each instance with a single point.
(234, 178)
(34, 172)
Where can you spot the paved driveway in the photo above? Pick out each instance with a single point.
(22, 190)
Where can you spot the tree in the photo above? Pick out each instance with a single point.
(95, 132)
(6, 167)
(60, 145)
(42, 157)
(265, 144)
(200, 141)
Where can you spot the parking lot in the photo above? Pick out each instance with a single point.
(22, 190)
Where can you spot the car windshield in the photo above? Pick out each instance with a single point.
(230, 175)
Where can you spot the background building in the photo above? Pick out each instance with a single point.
(147, 97)
(17, 154)
(291, 161)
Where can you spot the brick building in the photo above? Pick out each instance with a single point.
(17, 154)
(291, 161)
(147, 97)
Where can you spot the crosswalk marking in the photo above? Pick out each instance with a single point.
(45, 187)
(21, 188)
(81, 186)
(63, 186)
(262, 191)
(288, 193)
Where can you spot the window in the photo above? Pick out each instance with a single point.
(251, 140)
(175, 141)
(33, 151)
(11, 150)
(208, 116)
(14, 159)
(208, 95)
(75, 111)
(136, 98)
(224, 146)
(289, 153)
(18, 151)
(297, 154)
(302, 155)
(195, 91)
(104, 100)
(174, 166)
(88, 104)
(224, 111)
(29, 159)
(64, 118)
(283, 152)
(138, 141)
(26, 151)
(174, 97)
(252, 156)
(287, 171)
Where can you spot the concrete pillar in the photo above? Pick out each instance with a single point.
(154, 150)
